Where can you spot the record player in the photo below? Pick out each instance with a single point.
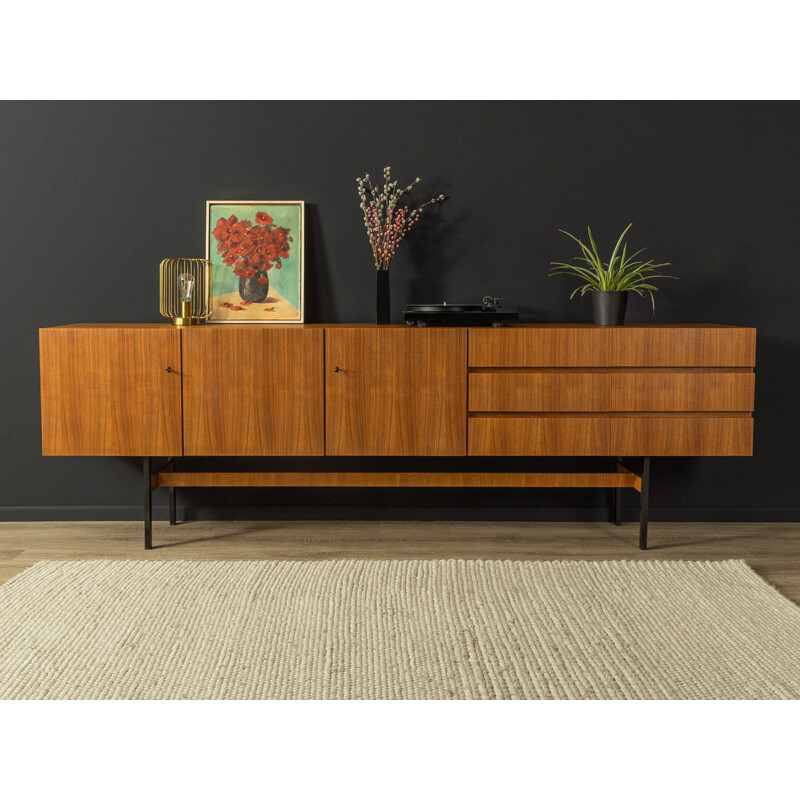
(459, 313)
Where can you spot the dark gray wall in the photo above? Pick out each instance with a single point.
(94, 195)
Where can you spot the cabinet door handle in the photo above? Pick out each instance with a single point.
(336, 369)
(168, 369)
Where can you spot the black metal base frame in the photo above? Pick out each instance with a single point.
(616, 500)
(644, 494)
(148, 502)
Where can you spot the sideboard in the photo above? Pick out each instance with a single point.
(157, 391)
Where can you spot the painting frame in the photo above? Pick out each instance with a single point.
(224, 307)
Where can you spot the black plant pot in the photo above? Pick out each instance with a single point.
(609, 307)
(383, 306)
(252, 290)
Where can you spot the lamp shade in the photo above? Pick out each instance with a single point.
(185, 289)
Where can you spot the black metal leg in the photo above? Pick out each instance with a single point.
(645, 510)
(148, 506)
(173, 520)
(618, 500)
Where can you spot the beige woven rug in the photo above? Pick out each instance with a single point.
(396, 629)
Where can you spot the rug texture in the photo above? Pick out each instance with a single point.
(396, 629)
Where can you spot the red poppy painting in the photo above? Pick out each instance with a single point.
(256, 253)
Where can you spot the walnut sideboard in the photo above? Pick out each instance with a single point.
(158, 391)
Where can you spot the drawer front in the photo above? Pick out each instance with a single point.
(540, 436)
(683, 436)
(572, 346)
(540, 391)
(683, 391)
(610, 436)
(570, 391)
(625, 346)
(684, 347)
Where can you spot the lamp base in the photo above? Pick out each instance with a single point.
(184, 321)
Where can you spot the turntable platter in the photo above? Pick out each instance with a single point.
(443, 308)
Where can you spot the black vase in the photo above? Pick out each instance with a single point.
(383, 306)
(253, 290)
(609, 307)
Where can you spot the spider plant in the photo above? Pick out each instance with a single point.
(621, 273)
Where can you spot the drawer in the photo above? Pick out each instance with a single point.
(624, 346)
(554, 435)
(684, 347)
(540, 436)
(683, 436)
(570, 346)
(570, 391)
(540, 391)
(683, 391)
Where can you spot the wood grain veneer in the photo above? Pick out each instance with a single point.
(472, 480)
(540, 346)
(633, 390)
(105, 391)
(682, 436)
(586, 390)
(540, 391)
(666, 346)
(253, 390)
(629, 345)
(397, 392)
(611, 435)
(683, 391)
(540, 436)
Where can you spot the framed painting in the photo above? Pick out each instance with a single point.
(256, 250)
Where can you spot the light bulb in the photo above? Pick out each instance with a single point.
(186, 284)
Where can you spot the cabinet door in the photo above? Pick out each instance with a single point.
(106, 391)
(396, 392)
(252, 390)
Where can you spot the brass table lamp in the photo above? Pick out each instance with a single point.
(185, 290)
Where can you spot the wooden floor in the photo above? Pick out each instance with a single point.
(771, 549)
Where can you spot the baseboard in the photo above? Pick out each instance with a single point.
(392, 513)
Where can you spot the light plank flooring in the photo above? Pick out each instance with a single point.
(771, 549)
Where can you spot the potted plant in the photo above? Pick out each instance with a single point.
(611, 281)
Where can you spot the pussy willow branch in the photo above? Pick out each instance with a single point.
(387, 224)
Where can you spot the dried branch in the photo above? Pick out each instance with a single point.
(386, 223)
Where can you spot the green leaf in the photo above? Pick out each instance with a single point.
(579, 289)
(633, 255)
(590, 257)
(574, 269)
(621, 261)
(619, 242)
